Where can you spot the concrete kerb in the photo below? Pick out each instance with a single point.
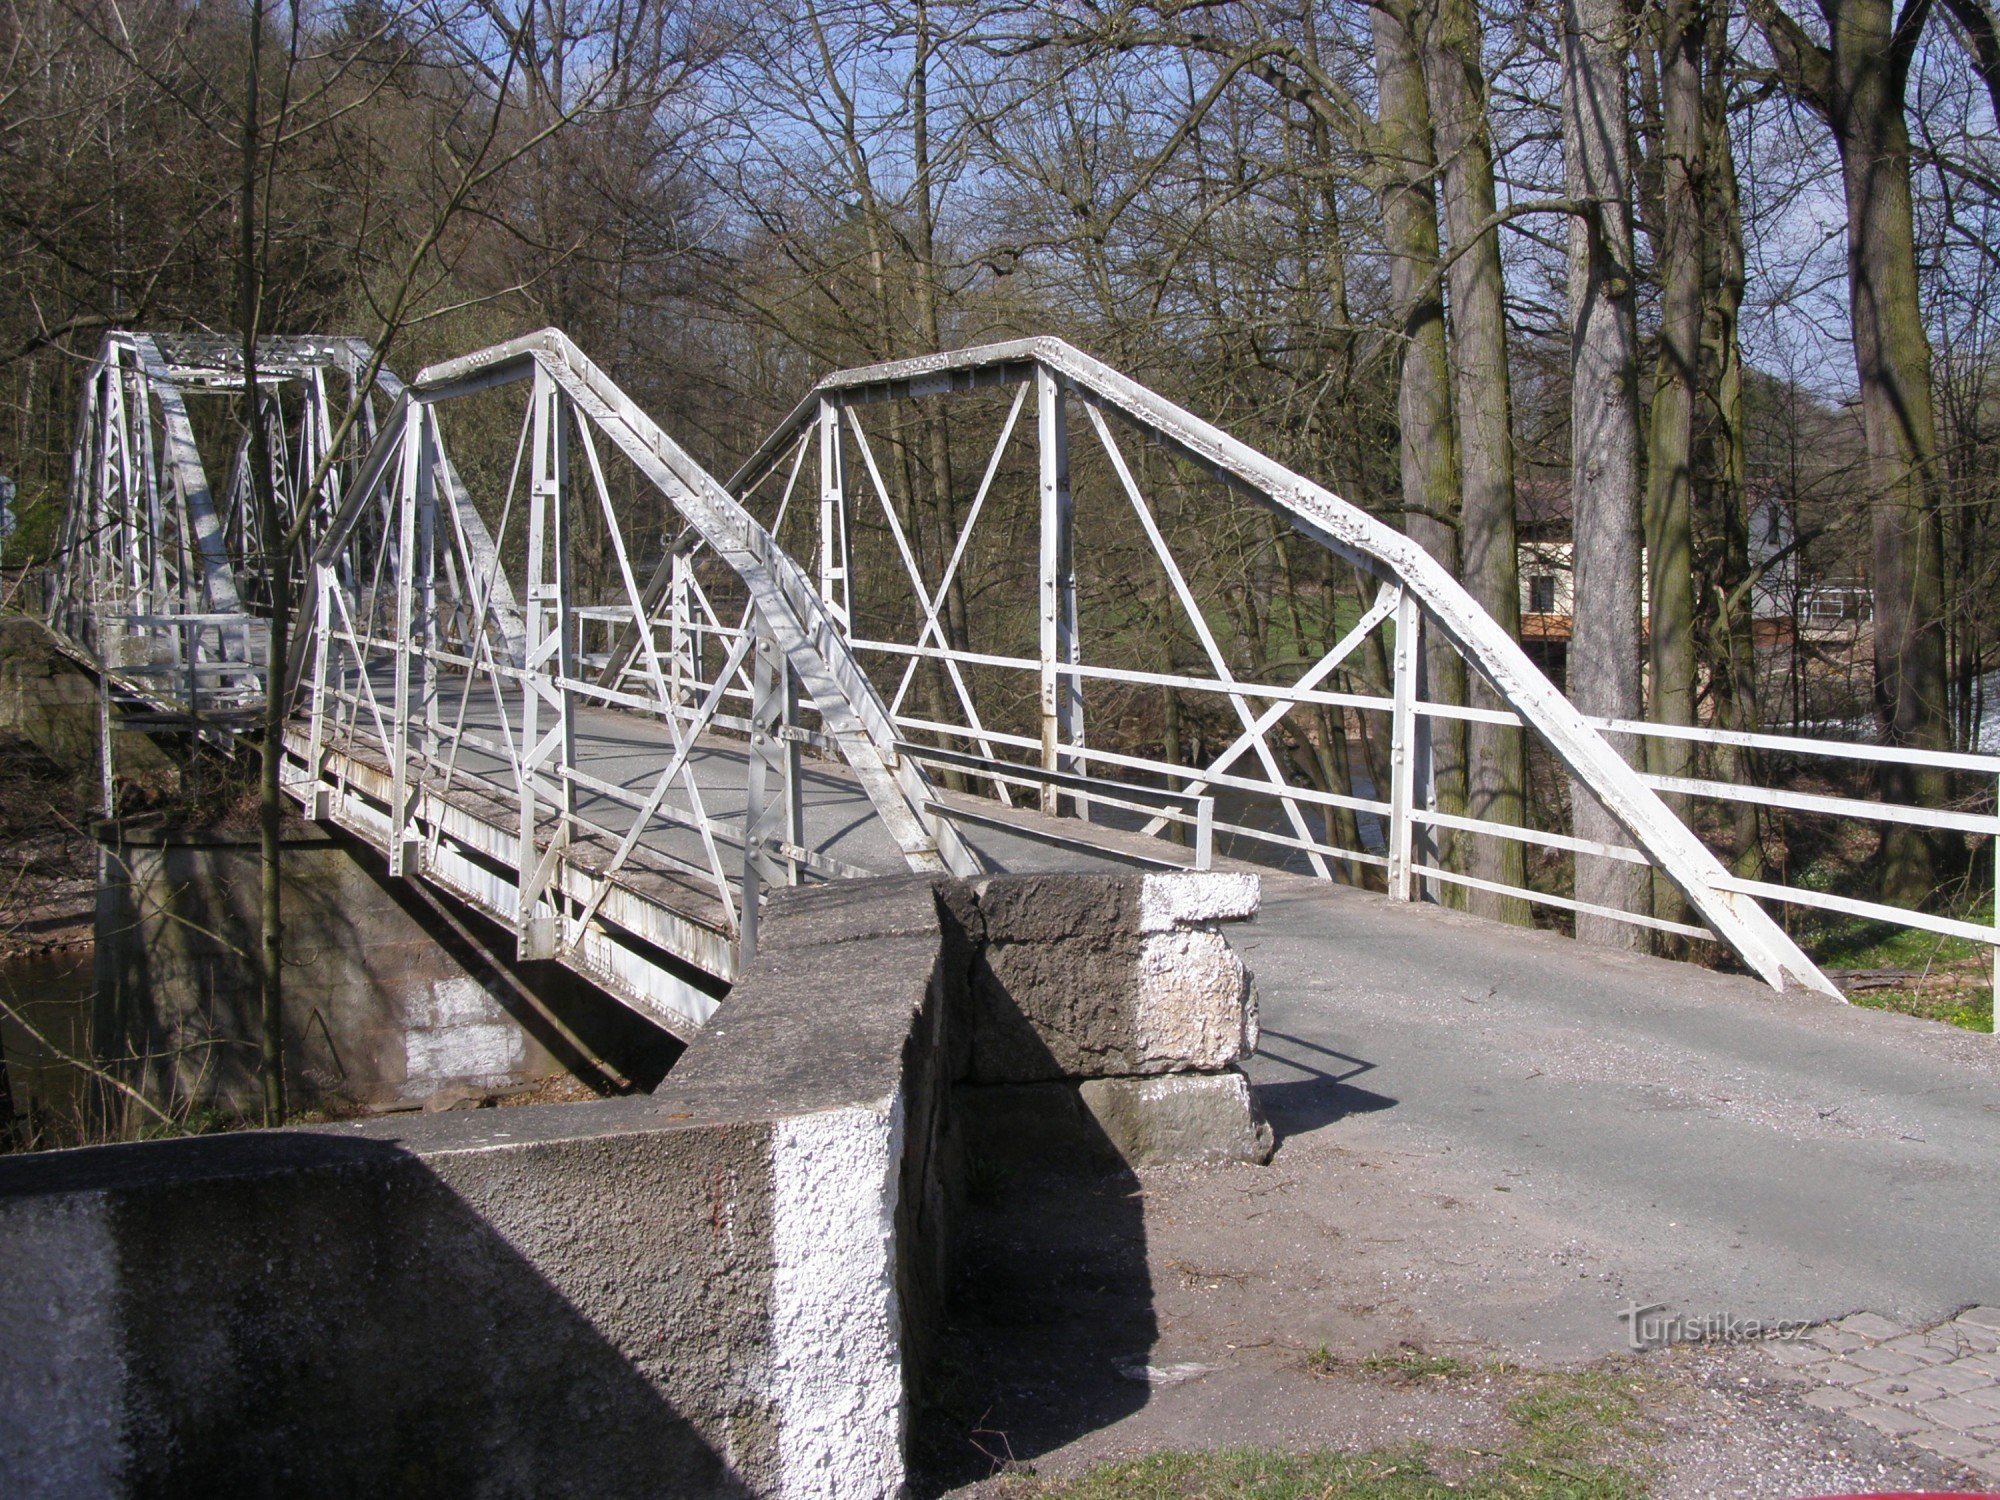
(727, 1287)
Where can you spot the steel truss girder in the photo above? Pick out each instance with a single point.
(1370, 545)
(184, 581)
(822, 665)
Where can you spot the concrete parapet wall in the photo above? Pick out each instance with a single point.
(727, 1287)
(1086, 977)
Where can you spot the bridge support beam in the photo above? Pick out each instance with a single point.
(1409, 747)
(1061, 689)
(549, 636)
(834, 538)
(773, 815)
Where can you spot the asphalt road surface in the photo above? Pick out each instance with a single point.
(1690, 1138)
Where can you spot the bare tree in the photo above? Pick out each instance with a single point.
(1856, 83)
(1406, 164)
(1489, 566)
(1604, 426)
(1681, 232)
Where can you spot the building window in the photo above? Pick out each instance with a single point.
(1541, 594)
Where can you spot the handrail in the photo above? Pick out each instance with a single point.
(1373, 546)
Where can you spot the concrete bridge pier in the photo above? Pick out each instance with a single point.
(395, 998)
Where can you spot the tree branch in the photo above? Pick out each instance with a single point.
(1804, 66)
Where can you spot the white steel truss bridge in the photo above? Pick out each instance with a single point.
(549, 663)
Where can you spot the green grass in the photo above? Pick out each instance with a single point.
(1576, 1437)
(1954, 983)
(1968, 1012)
(1407, 1364)
(1414, 1364)
(1839, 942)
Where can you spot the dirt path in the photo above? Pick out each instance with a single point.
(1309, 1305)
(1492, 1144)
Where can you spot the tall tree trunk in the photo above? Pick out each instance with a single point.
(1857, 85)
(1725, 494)
(270, 800)
(1427, 449)
(1680, 232)
(1604, 429)
(1496, 774)
(1893, 361)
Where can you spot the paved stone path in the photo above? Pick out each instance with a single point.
(1937, 1388)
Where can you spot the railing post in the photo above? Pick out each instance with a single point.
(771, 811)
(546, 620)
(1403, 745)
(792, 792)
(834, 585)
(1204, 833)
(406, 566)
(1061, 690)
(316, 743)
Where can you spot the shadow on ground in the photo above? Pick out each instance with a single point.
(1055, 1317)
(1051, 1328)
(1324, 1091)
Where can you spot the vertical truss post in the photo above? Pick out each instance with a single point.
(318, 427)
(772, 812)
(149, 481)
(834, 584)
(548, 624)
(1404, 751)
(1424, 848)
(100, 540)
(104, 551)
(1061, 688)
(408, 502)
(795, 797)
(425, 636)
(128, 539)
(316, 730)
(683, 655)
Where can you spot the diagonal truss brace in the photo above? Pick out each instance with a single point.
(852, 714)
(1378, 549)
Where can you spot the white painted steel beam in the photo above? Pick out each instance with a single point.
(853, 714)
(1378, 548)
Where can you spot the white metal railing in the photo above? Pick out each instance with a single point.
(998, 700)
(458, 705)
(448, 651)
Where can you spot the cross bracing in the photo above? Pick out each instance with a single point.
(548, 662)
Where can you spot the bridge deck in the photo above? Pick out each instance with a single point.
(629, 750)
(662, 896)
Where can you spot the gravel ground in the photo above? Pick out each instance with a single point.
(1493, 1143)
(1194, 1308)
